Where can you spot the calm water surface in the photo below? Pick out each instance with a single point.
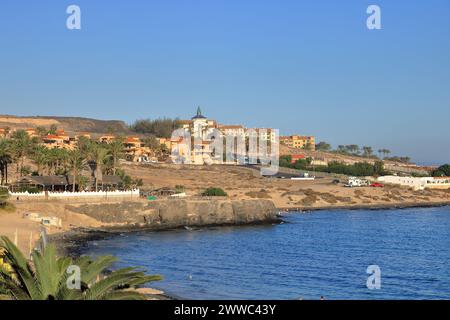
(321, 253)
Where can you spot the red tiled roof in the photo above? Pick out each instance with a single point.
(132, 139)
(53, 137)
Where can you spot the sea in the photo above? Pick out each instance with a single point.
(334, 254)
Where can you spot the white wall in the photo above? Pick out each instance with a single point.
(75, 195)
(413, 182)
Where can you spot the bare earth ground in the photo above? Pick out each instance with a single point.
(245, 183)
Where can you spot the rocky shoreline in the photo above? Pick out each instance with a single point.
(73, 241)
(404, 205)
(162, 215)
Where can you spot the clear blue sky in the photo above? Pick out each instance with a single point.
(307, 67)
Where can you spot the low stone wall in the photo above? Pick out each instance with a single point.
(75, 195)
(164, 214)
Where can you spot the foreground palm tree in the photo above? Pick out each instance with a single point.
(46, 277)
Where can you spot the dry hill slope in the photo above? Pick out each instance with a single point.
(70, 124)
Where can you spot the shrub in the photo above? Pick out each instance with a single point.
(214, 192)
(29, 189)
(179, 188)
(442, 171)
(161, 128)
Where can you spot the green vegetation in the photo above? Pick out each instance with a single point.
(161, 128)
(179, 188)
(323, 146)
(127, 182)
(357, 151)
(367, 152)
(301, 164)
(5, 159)
(384, 152)
(357, 169)
(88, 155)
(5, 206)
(46, 277)
(28, 189)
(399, 159)
(160, 150)
(3, 196)
(214, 192)
(442, 171)
(77, 163)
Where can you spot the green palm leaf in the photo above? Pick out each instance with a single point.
(46, 277)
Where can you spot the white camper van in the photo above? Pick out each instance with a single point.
(357, 182)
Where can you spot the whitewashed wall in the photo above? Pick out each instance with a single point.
(413, 182)
(75, 195)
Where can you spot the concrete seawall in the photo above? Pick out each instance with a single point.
(166, 214)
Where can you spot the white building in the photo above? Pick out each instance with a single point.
(418, 183)
(202, 146)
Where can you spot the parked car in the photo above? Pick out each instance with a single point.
(377, 185)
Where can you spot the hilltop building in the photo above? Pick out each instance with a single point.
(299, 142)
(201, 130)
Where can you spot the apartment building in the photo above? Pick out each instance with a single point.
(299, 142)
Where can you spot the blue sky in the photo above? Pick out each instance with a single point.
(307, 67)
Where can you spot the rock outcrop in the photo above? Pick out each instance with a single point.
(166, 214)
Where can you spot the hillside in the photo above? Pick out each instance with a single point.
(69, 124)
(397, 167)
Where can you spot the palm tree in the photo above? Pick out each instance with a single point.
(40, 157)
(341, 149)
(58, 160)
(77, 163)
(46, 277)
(385, 152)
(353, 149)
(367, 151)
(5, 160)
(98, 156)
(21, 143)
(380, 152)
(116, 151)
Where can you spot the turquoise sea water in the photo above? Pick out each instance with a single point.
(324, 253)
